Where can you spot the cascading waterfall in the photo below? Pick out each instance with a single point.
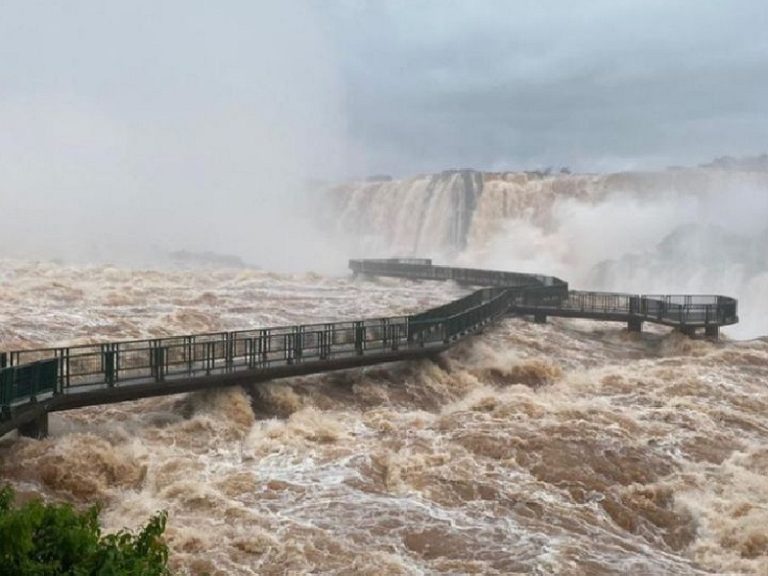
(447, 213)
(431, 213)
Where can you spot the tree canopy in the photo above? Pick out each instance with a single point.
(45, 539)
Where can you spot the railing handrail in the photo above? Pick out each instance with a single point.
(67, 368)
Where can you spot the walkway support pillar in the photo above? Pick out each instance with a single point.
(689, 331)
(36, 428)
(712, 331)
(540, 318)
(635, 325)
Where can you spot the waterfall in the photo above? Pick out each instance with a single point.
(428, 214)
(444, 214)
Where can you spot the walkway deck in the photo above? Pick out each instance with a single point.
(36, 382)
(684, 312)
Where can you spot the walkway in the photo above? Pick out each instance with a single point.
(36, 382)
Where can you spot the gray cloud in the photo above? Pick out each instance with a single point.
(597, 84)
(180, 124)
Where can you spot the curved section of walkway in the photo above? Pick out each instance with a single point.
(542, 296)
(35, 382)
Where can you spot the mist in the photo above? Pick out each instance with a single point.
(710, 240)
(133, 130)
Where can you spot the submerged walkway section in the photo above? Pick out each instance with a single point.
(36, 382)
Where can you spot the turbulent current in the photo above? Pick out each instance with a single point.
(567, 448)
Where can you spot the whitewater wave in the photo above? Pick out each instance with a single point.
(570, 448)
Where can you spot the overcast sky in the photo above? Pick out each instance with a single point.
(400, 86)
(595, 84)
(183, 124)
(155, 118)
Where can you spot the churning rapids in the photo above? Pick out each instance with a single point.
(567, 448)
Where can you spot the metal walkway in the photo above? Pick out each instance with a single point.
(35, 382)
(684, 312)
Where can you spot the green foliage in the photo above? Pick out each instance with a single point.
(38, 539)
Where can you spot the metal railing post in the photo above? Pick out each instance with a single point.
(109, 367)
(159, 358)
(229, 351)
(6, 393)
(298, 343)
(189, 352)
(359, 337)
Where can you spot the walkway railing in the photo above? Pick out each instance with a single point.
(39, 379)
(31, 376)
(548, 295)
(677, 310)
